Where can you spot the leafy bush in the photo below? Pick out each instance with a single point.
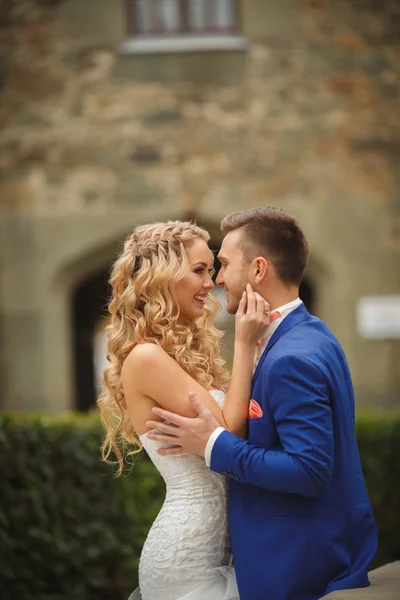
(378, 436)
(69, 529)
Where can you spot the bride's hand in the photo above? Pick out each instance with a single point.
(252, 317)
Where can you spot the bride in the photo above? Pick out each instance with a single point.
(162, 346)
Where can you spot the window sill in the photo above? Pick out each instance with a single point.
(192, 43)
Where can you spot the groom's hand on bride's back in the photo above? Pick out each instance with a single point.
(185, 435)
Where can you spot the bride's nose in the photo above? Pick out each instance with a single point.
(208, 283)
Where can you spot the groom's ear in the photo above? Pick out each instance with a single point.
(260, 269)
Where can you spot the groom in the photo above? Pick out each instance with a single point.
(300, 520)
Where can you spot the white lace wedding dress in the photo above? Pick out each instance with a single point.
(187, 554)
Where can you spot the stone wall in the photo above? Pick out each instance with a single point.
(93, 142)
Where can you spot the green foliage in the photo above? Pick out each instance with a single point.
(70, 529)
(378, 436)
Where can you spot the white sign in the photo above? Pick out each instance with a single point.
(378, 317)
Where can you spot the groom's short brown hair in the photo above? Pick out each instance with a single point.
(274, 234)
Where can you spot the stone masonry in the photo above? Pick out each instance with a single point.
(94, 142)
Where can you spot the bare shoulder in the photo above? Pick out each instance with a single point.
(146, 351)
(143, 356)
(150, 373)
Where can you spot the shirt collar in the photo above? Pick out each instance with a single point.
(285, 309)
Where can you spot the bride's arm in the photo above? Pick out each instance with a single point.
(150, 371)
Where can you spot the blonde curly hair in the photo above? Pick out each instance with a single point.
(143, 308)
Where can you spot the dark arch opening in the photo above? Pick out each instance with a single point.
(89, 308)
(307, 294)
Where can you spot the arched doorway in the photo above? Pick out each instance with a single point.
(89, 314)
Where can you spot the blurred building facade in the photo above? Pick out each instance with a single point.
(121, 112)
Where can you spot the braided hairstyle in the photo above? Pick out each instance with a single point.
(143, 308)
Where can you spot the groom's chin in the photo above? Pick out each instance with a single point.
(232, 309)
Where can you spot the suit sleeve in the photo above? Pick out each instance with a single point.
(298, 395)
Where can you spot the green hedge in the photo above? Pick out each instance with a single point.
(378, 437)
(69, 529)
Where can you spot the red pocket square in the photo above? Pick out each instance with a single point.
(255, 410)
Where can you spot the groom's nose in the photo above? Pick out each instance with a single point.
(219, 280)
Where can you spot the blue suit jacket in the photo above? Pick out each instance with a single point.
(300, 520)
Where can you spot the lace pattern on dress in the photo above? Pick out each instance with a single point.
(189, 538)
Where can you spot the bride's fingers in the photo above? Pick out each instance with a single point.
(242, 304)
(251, 300)
(260, 304)
(262, 307)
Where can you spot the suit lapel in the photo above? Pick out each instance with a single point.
(297, 315)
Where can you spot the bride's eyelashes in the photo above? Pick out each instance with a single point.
(201, 270)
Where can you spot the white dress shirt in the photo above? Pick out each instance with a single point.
(284, 311)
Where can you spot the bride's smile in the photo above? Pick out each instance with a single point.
(192, 290)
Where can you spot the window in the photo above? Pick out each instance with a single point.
(165, 26)
(182, 17)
